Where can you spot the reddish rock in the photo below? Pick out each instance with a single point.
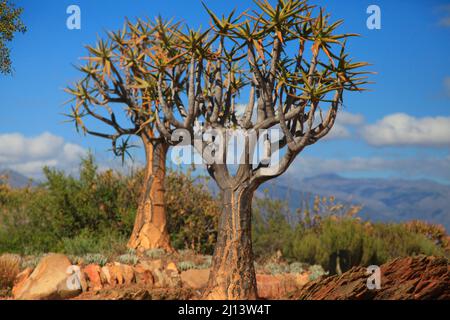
(301, 279)
(119, 274)
(127, 273)
(144, 275)
(93, 274)
(105, 275)
(275, 287)
(171, 266)
(166, 279)
(413, 278)
(49, 280)
(116, 275)
(153, 264)
(21, 278)
(195, 278)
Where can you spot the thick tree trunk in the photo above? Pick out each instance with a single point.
(232, 275)
(150, 227)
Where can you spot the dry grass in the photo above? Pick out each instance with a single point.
(9, 269)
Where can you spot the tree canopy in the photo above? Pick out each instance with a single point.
(286, 58)
(10, 23)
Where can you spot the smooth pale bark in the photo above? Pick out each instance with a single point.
(150, 227)
(232, 274)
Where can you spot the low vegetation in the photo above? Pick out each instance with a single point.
(333, 236)
(95, 212)
(9, 269)
(90, 218)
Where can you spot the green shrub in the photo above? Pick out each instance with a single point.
(95, 258)
(95, 212)
(296, 267)
(92, 213)
(192, 212)
(207, 262)
(186, 265)
(271, 230)
(316, 272)
(155, 253)
(31, 261)
(276, 268)
(334, 238)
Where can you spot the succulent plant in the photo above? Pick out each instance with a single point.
(95, 258)
(30, 261)
(155, 253)
(207, 261)
(275, 268)
(296, 267)
(186, 265)
(316, 272)
(128, 258)
(131, 251)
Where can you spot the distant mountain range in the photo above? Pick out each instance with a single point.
(14, 179)
(385, 200)
(382, 199)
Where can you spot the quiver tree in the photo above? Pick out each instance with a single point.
(293, 67)
(115, 92)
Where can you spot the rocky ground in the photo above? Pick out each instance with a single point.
(418, 278)
(150, 276)
(169, 277)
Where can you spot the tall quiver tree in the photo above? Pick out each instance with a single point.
(118, 90)
(294, 67)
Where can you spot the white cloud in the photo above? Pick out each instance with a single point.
(345, 122)
(401, 129)
(28, 155)
(351, 119)
(338, 131)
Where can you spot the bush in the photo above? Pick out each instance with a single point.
(296, 267)
(316, 272)
(94, 258)
(9, 269)
(128, 258)
(192, 213)
(271, 230)
(186, 265)
(155, 253)
(341, 244)
(93, 242)
(276, 268)
(90, 214)
(333, 237)
(95, 212)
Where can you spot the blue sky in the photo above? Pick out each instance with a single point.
(401, 128)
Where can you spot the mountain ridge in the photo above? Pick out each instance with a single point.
(15, 179)
(387, 200)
